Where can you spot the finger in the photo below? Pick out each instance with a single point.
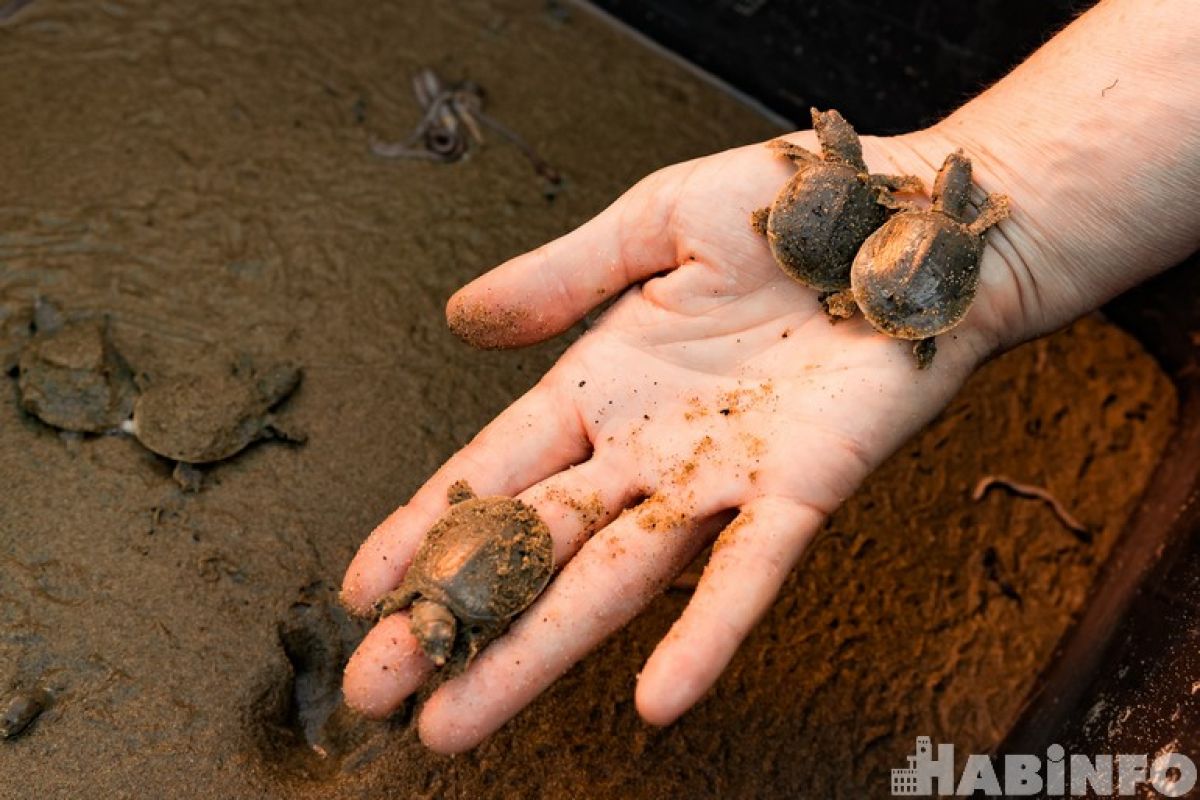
(537, 436)
(612, 578)
(749, 562)
(542, 293)
(386, 668)
(581, 500)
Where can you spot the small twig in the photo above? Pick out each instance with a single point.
(1035, 493)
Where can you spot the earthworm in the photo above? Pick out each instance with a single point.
(447, 113)
(539, 164)
(1036, 493)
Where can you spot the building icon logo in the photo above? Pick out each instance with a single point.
(917, 778)
(1167, 773)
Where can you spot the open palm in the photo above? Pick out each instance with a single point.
(714, 397)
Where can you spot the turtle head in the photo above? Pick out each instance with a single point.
(434, 626)
(839, 142)
(952, 186)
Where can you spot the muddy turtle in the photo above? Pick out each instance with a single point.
(71, 377)
(480, 565)
(829, 207)
(211, 414)
(916, 276)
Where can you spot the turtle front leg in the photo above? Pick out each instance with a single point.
(795, 152)
(395, 600)
(479, 635)
(995, 208)
(838, 305)
(924, 351)
(885, 185)
(905, 184)
(889, 201)
(758, 220)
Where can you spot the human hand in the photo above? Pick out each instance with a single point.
(717, 387)
(713, 389)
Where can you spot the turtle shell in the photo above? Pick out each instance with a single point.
(486, 559)
(73, 379)
(818, 222)
(208, 416)
(916, 276)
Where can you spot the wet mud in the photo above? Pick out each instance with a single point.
(202, 175)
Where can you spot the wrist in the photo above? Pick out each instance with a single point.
(1025, 269)
(1094, 141)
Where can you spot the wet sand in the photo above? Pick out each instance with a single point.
(202, 175)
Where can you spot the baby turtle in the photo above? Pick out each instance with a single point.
(480, 565)
(829, 207)
(916, 276)
(209, 415)
(71, 377)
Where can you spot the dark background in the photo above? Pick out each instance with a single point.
(889, 66)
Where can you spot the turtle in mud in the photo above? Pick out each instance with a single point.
(828, 208)
(480, 565)
(916, 276)
(212, 414)
(70, 376)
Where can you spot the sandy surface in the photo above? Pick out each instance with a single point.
(200, 173)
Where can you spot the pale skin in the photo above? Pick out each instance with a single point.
(1096, 140)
